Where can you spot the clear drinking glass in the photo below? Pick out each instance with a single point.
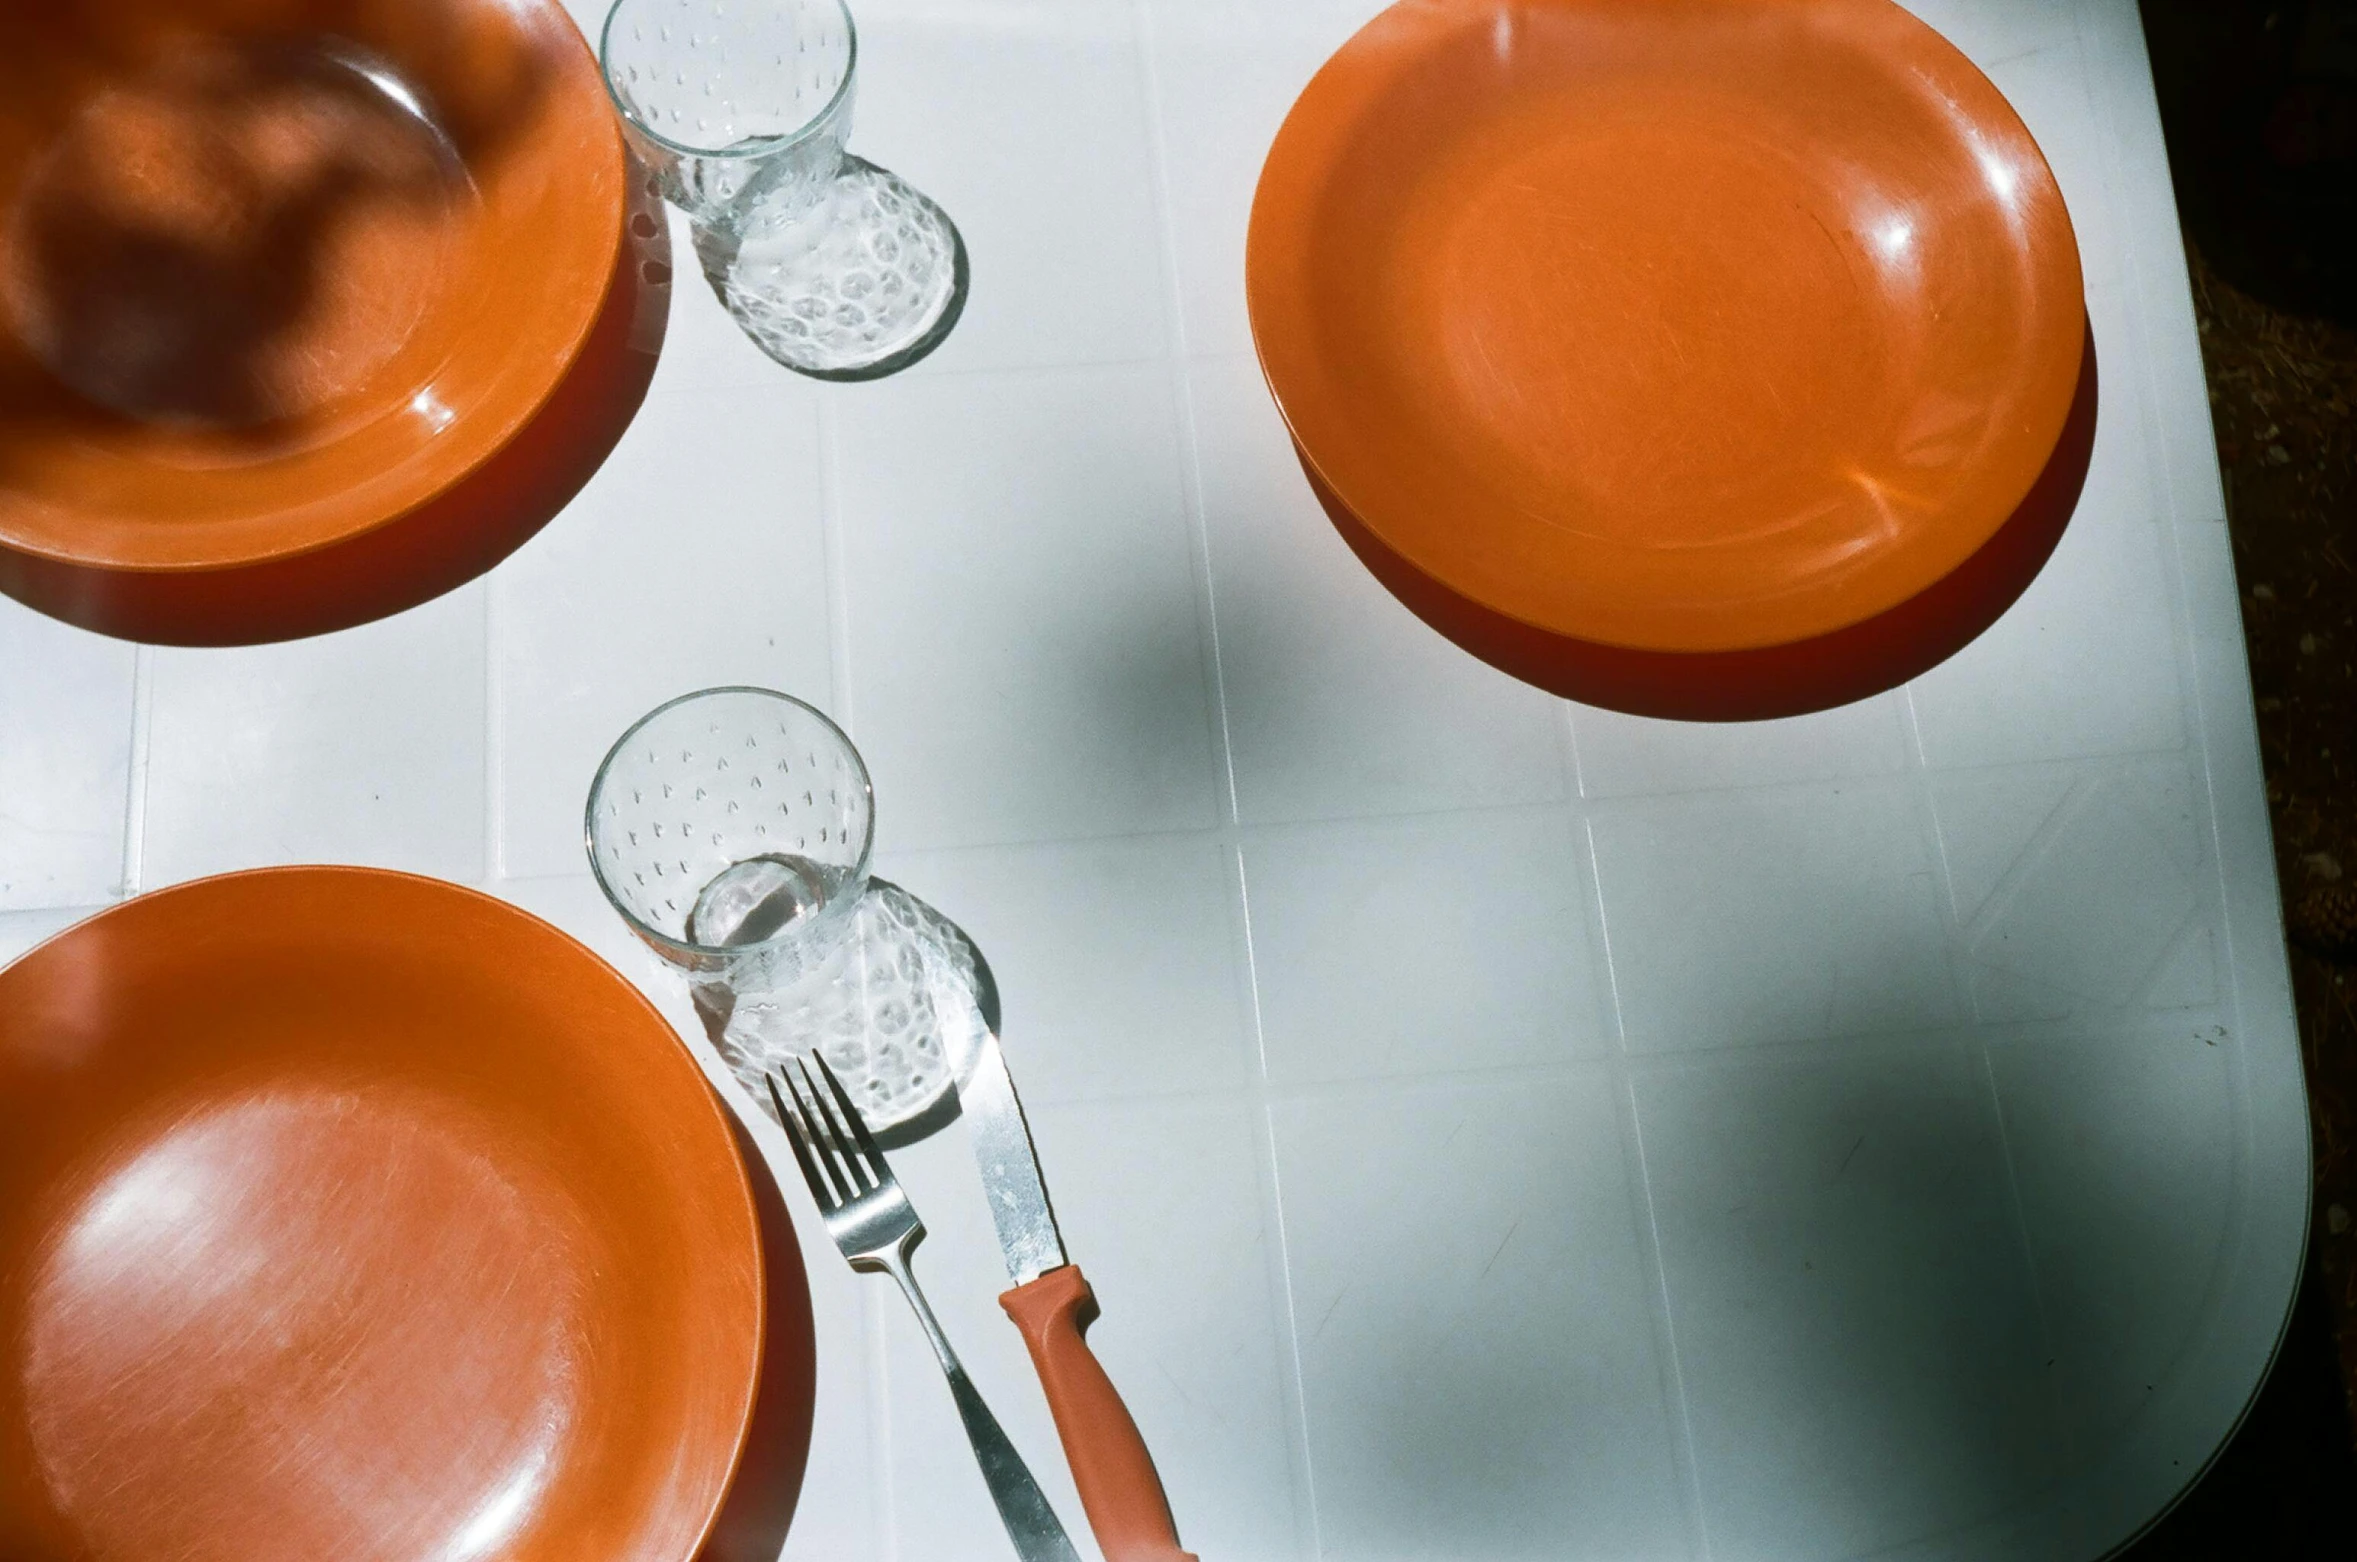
(836, 267)
(731, 829)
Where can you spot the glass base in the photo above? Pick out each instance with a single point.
(881, 1008)
(863, 281)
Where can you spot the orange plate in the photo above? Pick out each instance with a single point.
(1669, 335)
(348, 1214)
(277, 277)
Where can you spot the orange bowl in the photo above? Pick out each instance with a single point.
(278, 280)
(1650, 348)
(349, 1214)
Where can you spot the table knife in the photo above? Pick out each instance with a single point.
(1052, 1305)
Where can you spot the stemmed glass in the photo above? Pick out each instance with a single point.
(834, 266)
(731, 829)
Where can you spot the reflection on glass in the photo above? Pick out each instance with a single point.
(836, 267)
(731, 828)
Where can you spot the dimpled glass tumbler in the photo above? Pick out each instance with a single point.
(731, 829)
(837, 268)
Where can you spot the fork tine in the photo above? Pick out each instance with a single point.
(840, 1136)
(879, 1170)
(806, 1153)
(826, 1141)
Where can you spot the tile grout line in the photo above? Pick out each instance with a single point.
(1231, 825)
(2137, 289)
(927, 373)
(1233, 832)
(831, 547)
(2029, 1256)
(2195, 919)
(494, 745)
(1183, 399)
(1207, 600)
(2008, 884)
(1257, 1089)
(1158, 174)
(1916, 773)
(1674, 1368)
(1683, 1457)
(2217, 893)
(1260, 1044)
(1304, 1461)
(2142, 295)
(1957, 960)
(1954, 923)
(135, 783)
(1600, 944)
(1570, 730)
(1231, 835)
(883, 1472)
(882, 1510)
(2124, 1023)
(2197, 694)
(883, 1504)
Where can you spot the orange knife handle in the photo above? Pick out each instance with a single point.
(1110, 1465)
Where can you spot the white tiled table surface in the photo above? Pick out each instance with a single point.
(1495, 1127)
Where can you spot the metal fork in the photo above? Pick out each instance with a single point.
(874, 1224)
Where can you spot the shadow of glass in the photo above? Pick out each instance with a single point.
(946, 1110)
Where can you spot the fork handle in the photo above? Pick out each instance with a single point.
(1118, 1484)
(1031, 1524)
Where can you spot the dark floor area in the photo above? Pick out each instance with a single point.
(2259, 103)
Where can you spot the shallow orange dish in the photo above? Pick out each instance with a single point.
(280, 280)
(1679, 355)
(348, 1214)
